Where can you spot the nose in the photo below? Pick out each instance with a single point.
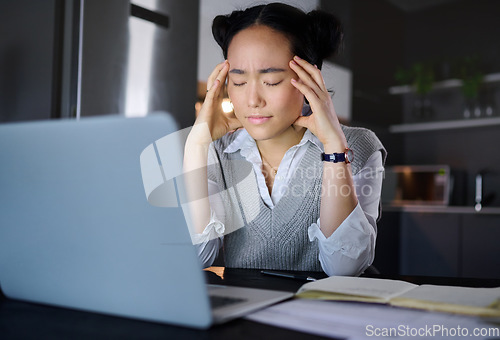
(254, 96)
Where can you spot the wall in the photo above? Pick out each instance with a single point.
(26, 59)
(377, 48)
(373, 46)
(104, 56)
(457, 29)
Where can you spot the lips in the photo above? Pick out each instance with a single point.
(257, 119)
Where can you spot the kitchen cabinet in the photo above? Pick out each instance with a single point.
(436, 242)
(430, 244)
(480, 250)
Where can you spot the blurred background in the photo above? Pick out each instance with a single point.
(423, 74)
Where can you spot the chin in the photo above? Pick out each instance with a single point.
(262, 134)
(259, 135)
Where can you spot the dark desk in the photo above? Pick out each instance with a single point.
(27, 320)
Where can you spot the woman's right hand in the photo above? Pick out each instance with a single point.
(218, 122)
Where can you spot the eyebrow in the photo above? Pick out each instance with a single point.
(263, 71)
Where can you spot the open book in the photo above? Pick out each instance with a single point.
(461, 300)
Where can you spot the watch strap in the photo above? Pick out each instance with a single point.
(345, 157)
(333, 157)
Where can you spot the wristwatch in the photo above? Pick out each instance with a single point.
(347, 156)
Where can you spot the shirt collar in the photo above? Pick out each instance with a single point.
(246, 144)
(242, 142)
(310, 137)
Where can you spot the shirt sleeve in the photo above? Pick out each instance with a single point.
(210, 240)
(351, 248)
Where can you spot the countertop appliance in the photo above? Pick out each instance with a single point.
(417, 185)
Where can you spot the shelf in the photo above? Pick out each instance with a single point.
(441, 209)
(445, 84)
(444, 125)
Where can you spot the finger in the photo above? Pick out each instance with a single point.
(223, 73)
(216, 86)
(214, 74)
(306, 71)
(212, 91)
(306, 78)
(313, 71)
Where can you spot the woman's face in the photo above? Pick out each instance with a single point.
(264, 100)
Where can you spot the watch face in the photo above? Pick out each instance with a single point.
(349, 155)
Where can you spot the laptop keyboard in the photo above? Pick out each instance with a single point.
(222, 301)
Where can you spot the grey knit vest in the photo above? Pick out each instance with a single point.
(264, 238)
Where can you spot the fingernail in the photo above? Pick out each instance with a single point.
(315, 65)
(297, 57)
(293, 80)
(293, 62)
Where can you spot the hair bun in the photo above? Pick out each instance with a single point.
(327, 33)
(220, 28)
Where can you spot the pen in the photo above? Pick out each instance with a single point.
(288, 275)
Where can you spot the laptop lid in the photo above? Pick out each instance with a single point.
(77, 231)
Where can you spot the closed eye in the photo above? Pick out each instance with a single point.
(274, 84)
(266, 83)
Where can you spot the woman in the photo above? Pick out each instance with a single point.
(272, 194)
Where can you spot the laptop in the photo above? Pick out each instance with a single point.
(77, 230)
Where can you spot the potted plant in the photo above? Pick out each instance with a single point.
(472, 78)
(421, 76)
(423, 79)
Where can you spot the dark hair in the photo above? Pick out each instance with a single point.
(313, 36)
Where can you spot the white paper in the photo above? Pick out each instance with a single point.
(355, 320)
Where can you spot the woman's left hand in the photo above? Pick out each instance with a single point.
(323, 121)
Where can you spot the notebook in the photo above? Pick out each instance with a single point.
(77, 230)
